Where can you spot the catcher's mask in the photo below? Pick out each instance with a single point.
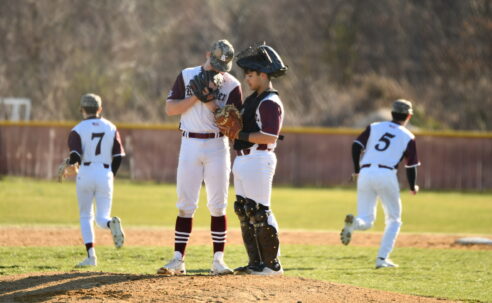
(262, 58)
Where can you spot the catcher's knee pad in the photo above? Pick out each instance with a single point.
(248, 232)
(239, 208)
(267, 236)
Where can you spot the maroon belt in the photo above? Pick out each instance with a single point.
(202, 135)
(89, 163)
(379, 165)
(247, 151)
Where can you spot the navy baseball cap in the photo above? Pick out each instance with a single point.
(221, 55)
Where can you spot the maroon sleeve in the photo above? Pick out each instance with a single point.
(363, 137)
(117, 145)
(271, 117)
(411, 154)
(178, 90)
(75, 143)
(236, 97)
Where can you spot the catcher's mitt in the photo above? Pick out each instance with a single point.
(65, 169)
(206, 85)
(229, 120)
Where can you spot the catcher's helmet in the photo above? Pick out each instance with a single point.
(262, 58)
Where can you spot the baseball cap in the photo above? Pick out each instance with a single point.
(90, 100)
(402, 106)
(221, 55)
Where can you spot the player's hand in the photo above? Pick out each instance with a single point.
(415, 191)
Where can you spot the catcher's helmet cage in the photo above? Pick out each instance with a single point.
(262, 58)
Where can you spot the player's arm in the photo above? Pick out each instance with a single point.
(411, 166)
(118, 152)
(177, 107)
(357, 147)
(75, 147)
(176, 103)
(270, 116)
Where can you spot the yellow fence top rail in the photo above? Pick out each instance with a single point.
(287, 129)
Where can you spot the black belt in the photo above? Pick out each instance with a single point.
(202, 135)
(89, 163)
(379, 165)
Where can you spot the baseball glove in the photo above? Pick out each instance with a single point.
(206, 85)
(65, 169)
(229, 120)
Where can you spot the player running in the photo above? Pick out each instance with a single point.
(204, 155)
(385, 145)
(95, 145)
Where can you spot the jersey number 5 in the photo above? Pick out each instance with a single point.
(98, 146)
(385, 142)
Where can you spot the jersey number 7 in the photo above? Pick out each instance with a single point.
(98, 146)
(385, 142)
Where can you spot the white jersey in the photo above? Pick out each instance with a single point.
(98, 141)
(198, 118)
(386, 143)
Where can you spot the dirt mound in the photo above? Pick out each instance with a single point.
(63, 236)
(110, 287)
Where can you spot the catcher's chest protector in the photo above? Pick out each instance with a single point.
(249, 120)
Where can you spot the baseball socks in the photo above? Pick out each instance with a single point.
(218, 230)
(182, 232)
(91, 259)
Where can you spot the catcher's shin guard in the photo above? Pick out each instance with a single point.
(266, 234)
(248, 234)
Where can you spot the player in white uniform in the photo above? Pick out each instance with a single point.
(254, 166)
(385, 145)
(95, 145)
(204, 156)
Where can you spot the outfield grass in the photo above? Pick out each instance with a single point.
(453, 274)
(29, 201)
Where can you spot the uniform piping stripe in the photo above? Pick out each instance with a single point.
(182, 233)
(224, 241)
(184, 242)
(219, 233)
(358, 142)
(74, 151)
(219, 238)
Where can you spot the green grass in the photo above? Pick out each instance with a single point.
(453, 274)
(29, 201)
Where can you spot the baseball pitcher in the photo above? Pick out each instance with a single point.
(254, 167)
(95, 146)
(385, 145)
(204, 155)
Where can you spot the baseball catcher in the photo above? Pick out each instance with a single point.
(206, 85)
(65, 169)
(229, 120)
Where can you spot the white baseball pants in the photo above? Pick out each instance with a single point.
(374, 182)
(94, 182)
(203, 160)
(253, 178)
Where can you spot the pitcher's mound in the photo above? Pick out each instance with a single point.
(109, 287)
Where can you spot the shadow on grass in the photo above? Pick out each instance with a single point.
(20, 290)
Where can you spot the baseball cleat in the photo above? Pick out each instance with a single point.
(174, 267)
(268, 272)
(89, 261)
(381, 263)
(220, 268)
(346, 233)
(117, 232)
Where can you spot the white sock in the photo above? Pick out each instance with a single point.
(92, 252)
(219, 255)
(178, 255)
